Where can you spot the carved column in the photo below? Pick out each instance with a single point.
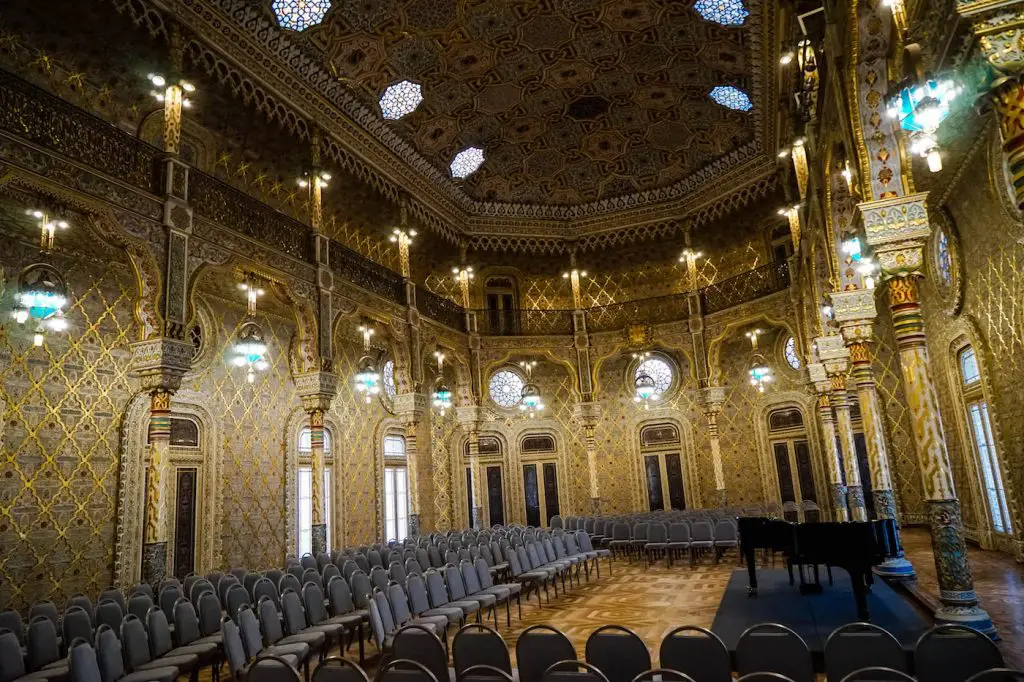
(711, 401)
(835, 357)
(411, 409)
(317, 390)
(898, 229)
(159, 364)
(469, 418)
(837, 491)
(587, 415)
(854, 312)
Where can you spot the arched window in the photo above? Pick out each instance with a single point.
(500, 304)
(943, 258)
(396, 488)
(538, 443)
(789, 350)
(388, 379)
(788, 441)
(980, 426)
(506, 387)
(304, 490)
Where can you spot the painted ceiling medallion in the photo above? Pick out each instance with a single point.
(731, 97)
(724, 12)
(298, 15)
(467, 162)
(400, 99)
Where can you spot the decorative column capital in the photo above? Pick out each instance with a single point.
(587, 413)
(161, 363)
(819, 378)
(833, 353)
(411, 407)
(470, 416)
(897, 229)
(711, 399)
(316, 389)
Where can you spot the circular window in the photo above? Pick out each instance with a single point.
(658, 369)
(789, 350)
(388, 379)
(943, 259)
(506, 387)
(944, 262)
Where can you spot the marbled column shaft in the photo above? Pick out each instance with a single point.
(590, 442)
(956, 585)
(412, 467)
(835, 477)
(317, 489)
(173, 98)
(871, 418)
(716, 456)
(475, 481)
(155, 534)
(854, 489)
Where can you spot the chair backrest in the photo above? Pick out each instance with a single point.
(362, 590)
(399, 604)
(620, 531)
(159, 630)
(269, 620)
(412, 566)
(139, 604)
(998, 675)
(46, 609)
(198, 588)
(640, 531)
(470, 578)
(697, 652)
(170, 594)
(571, 670)
(12, 663)
(116, 596)
(618, 652)
(476, 644)
(419, 644)
(770, 647)
(311, 575)
(387, 620)
(374, 559)
(289, 581)
(109, 655)
(271, 669)
(538, 648)
(265, 588)
(379, 578)
(209, 611)
(954, 652)
(657, 532)
(434, 556)
(396, 572)
(237, 597)
(701, 531)
(82, 662)
(423, 557)
(456, 586)
(861, 645)
(337, 669)
(877, 674)
(224, 585)
(313, 600)
(361, 563)
(186, 622)
(109, 613)
(329, 571)
(436, 588)
(76, 624)
(293, 616)
(307, 561)
(135, 642)
(340, 596)
(252, 640)
(234, 650)
(663, 675)
(725, 530)
(404, 670)
(679, 532)
(43, 645)
(416, 590)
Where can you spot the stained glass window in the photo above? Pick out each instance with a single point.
(659, 370)
(400, 99)
(298, 15)
(725, 12)
(506, 388)
(388, 377)
(467, 161)
(731, 97)
(790, 352)
(969, 371)
(943, 258)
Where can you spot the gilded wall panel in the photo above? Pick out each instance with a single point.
(62, 409)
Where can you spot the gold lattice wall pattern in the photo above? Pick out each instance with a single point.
(252, 421)
(61, 407)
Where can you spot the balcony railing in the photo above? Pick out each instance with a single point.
(367, 274)
(747, 286)
(440, 309)
(652, 310)
(524, 322)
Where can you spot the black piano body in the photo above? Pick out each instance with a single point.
(855, 546)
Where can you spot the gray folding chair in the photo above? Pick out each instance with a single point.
(538, 648)
(948, 653)
(618, 652)
(478, 645)
(861, 645)
(418, 643)
(337, 669)
(878, 674)
(697, 652)
(770, 647)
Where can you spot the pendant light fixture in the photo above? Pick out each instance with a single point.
(442, 396)
(250, 350)
(367, 376)
(760, 372)
(646, 390)
(42, 294)
(530, 400)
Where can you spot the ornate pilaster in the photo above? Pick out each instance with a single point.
(317, 390)
(411, 408)
(898, 229)
(159, 364)
(854, 312)
(470, 417)
(711, 401)
(837, 491)
(835, 357)
(587, 415)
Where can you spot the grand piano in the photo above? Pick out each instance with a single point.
(854, 546)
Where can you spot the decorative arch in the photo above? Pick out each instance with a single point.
(715, 346)
(691, 469)
(132, 483)
(769, 475)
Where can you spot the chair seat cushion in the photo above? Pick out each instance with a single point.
(678, 545)
(453, 613)
(312, 639)
(438, 623)
(297, 649)
(166, 674)
(183, 663)
(656, 545)
(701, 543)
(514, 588)
(467, 605)
(347, 619)
(206, 652)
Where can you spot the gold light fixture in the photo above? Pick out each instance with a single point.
(167, 91)
(42, 293)
(442, 397)
(367, 377)
(529, 398)
(250, 350)
(645, 389)
(760, 372)
(464, 275)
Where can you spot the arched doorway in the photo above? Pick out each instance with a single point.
(787, 439)
(661, 456)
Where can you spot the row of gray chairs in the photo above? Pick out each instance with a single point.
(671, 540)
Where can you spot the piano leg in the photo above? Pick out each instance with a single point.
(789, 567)
(817, 575)
(829, 569)
(860, 595)
(748, 552)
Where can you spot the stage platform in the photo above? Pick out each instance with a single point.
(812, 616)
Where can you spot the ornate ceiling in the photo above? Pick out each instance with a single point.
(594, 114)
(572, 100)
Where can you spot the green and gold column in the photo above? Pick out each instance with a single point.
(836, 359)
(897, 229)
(854, 312)
(837, 491)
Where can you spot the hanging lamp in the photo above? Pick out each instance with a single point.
(529, 398)
(367, 376)
(250, 350)
(442, 396)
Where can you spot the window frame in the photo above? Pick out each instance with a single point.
(633, 367)
(395, 471)
(490, 377)
(304, 465)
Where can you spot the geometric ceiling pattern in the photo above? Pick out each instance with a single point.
(572, 101)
